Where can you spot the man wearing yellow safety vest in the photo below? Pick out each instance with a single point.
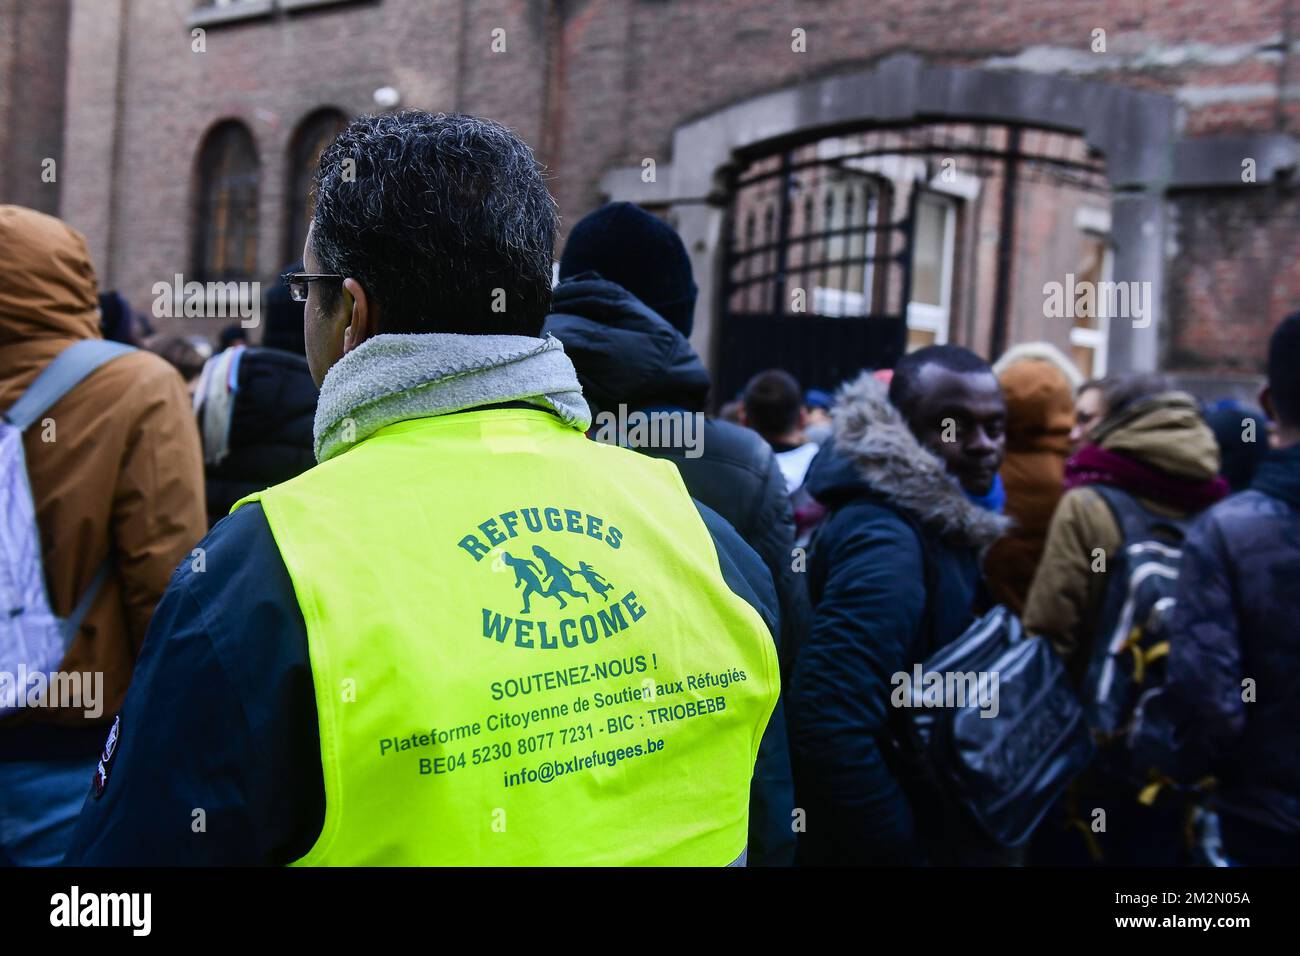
(469, 635)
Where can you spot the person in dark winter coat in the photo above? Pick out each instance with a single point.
(282, 318)
(623, 311)
(258, 432)
(628, 354)
(255, 411)
(632, 248)
(894, 575)
(1228, 704)
(1242, 436)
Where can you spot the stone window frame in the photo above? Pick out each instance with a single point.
(209, 166)
(299, 169)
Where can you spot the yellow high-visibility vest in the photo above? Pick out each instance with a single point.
(523, 650)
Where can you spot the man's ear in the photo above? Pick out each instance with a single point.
(1266, 403)
(362, 322)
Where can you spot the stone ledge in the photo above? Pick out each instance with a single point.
(231, 13)
(252, 9)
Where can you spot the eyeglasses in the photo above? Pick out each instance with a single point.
(298, 283)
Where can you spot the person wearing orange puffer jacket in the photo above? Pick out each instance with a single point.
(1038, 382)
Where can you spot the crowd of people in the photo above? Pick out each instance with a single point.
(298, 565)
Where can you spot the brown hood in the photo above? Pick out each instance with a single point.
(1040, 406)
(47, 285)
(1166, 432)
(1038, 382)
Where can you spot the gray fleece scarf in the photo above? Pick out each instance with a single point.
(395, 378)
(872, 433)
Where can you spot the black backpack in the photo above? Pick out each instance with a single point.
(1131, 644)
(1004, 771)
(996, 774)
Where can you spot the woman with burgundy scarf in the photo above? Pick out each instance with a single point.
(1153, 443)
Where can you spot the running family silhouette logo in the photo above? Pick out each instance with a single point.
(546, 578)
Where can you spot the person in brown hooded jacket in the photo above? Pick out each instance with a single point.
(1038, 382)
(122, 482)
(1151, 442)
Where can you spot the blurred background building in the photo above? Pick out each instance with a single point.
(851, 178)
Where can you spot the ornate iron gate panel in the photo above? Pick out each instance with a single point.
(820, 236)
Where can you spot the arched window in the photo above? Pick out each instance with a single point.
(225, 246)
(314, 133)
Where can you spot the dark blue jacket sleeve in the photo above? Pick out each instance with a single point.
(771, 803)
(218, 757)
(743, 569)
(864, 620)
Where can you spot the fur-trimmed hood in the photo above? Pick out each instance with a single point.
(874, 453)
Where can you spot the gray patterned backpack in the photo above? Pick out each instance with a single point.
(32, 639)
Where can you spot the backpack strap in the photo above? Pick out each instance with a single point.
(1135, 522)
(59, 377)
(1131, 517)
(71, 624)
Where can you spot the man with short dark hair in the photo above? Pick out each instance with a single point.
(1228, 705)
(942, 392)
(894, 575)
(469, 636)
(773, 407)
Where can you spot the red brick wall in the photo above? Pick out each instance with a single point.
(1232, 277)
(603, 84)
(33, 61)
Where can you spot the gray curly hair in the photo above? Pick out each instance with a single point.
(443, 218)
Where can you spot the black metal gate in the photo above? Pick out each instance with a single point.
(819, 241)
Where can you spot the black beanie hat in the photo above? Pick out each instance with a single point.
(640, 252)
(282, 318)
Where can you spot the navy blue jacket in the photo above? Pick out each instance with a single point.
(867, 580)
(218, 754)
(1237, 618)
